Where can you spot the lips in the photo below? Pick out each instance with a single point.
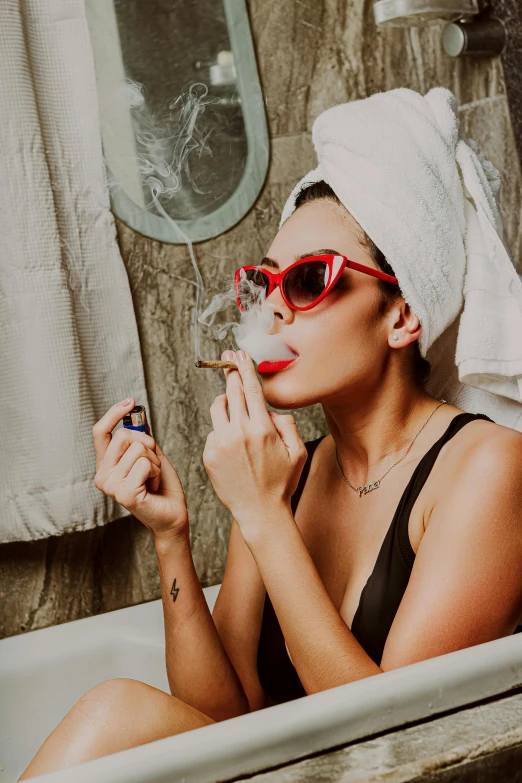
(265, 367)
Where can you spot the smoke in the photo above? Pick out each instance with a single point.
(252, 332)
(168, 145)
(155, 189)
(165, 149)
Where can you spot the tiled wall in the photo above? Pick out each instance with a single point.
(311, 54)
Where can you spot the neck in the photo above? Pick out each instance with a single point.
(372, 430)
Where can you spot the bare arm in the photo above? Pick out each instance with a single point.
(132, 469)
(238, 615)
(465, 586)
(324, 651)
(198, 667)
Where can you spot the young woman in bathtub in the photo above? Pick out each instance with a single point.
(461, 539)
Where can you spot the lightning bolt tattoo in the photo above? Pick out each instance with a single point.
(175, 590)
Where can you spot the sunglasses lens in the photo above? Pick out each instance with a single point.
(251, 284)
(306, 282)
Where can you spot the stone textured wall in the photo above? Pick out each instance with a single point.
(311, 54)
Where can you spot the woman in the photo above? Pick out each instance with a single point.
(331, 576)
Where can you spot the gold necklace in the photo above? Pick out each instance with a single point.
(376, 484)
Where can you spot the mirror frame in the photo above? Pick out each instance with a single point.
(256, 168)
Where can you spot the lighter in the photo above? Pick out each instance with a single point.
(136, 419)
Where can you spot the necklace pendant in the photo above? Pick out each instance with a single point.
(369, 487)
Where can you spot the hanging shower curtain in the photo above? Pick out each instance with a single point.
(69, 344)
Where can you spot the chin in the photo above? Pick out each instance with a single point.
(284, 394)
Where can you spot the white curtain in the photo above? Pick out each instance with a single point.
(69, 344)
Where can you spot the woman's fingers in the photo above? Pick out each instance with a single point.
(244, 396)
(235, 392)
(170, 481)
(142, 470)
(253, 391)
(218, 412)
(101, 431)
(155, 482)
(286, 426)
(119, 444)
(136, 450)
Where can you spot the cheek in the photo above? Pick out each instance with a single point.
(323, 364)
(324, 338)
(335, 348)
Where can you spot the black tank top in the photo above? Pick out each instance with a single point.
(380, 597)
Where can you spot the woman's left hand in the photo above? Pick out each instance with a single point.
(254, 457)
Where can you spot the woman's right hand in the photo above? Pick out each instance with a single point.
(132, 469)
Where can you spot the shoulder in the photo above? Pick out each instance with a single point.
(465, 586)
(481, 442)
(484, 468)
(478, 462)
(489, 447)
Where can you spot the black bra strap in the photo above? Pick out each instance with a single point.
(419, 477)
(311, 446)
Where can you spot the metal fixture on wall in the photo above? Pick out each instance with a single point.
(480, 38)
(470, 29)
(407, 13)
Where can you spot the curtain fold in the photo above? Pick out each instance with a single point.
(69, 345)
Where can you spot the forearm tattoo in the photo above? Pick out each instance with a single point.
(175, 590)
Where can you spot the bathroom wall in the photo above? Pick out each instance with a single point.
(311, 54)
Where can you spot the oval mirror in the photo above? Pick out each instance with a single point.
(182, 114)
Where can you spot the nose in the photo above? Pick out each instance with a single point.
(279, 307)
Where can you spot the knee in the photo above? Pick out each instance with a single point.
(92, 727)
(116, 690)
(107, 703)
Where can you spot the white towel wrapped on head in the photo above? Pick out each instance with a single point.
(428, 198)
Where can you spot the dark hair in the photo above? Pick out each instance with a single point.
(389, 291)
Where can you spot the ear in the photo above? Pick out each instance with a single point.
(405, 324)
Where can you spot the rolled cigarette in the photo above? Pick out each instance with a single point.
(211, 364)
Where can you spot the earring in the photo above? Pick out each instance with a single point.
(395, 336)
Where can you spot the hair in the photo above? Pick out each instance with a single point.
(421, 367)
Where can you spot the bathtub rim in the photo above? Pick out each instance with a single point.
(317, 723)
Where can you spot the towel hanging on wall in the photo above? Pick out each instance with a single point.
(69, 345)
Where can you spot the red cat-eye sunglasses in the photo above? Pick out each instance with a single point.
(303, 284)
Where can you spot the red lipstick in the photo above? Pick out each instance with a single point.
(266, 367)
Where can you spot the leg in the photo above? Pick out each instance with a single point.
(115, 715)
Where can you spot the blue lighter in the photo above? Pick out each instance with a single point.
(136, 419)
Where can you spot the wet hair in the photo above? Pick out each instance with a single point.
(421, 367)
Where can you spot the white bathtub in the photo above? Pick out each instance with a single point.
(44, 672)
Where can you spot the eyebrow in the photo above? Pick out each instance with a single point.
(323, 251)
